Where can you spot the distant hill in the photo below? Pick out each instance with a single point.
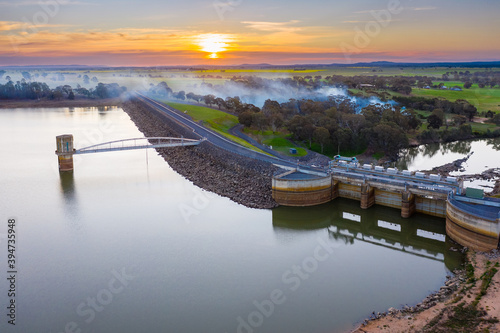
(386, 64)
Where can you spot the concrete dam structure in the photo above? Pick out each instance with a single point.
(470, 221)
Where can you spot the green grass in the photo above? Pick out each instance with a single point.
(204, 114)
(283, 146)
(483, 128)
(278, 140)
(484, 99)
(216, 120)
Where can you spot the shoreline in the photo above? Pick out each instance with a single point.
(63, 103)
(468, 302)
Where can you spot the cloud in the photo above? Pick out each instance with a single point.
(366, 21)
(423, 8)
(16, 25)
(273, 26)
(38, 3)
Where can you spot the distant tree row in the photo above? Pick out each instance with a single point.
(339, 124)
(483, 79)
(459, 107)
(38, 90)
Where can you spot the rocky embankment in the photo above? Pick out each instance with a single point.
(451, 285)
(468, 302)
(243, 180)
(445, 170)
(490, 174)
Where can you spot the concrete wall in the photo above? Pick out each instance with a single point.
(302, 192)
(470, 230)
(387, 198)
(462, 225)
(350, 191)
(431, 206)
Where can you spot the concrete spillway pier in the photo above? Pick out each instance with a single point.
(471, 222)
(65, 152)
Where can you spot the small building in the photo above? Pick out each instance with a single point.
(293, 151)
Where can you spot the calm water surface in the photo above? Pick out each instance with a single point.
(484, 154)
(125, 244)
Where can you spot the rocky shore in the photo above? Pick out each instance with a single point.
(243, 180)
(445, 169)
(490, 174)
(468, 302)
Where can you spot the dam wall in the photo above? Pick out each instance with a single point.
(470, 222)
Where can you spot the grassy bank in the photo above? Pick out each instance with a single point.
(484, 99)
(215, 120)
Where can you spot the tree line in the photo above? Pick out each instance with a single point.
(334, 121)
(40, 90)
(339, 124)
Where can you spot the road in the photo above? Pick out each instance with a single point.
(217, 139)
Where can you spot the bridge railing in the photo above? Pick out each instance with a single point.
(137, 143)
(407, 183)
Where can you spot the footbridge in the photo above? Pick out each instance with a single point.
(65, 150)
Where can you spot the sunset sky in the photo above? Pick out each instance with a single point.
(231, 32)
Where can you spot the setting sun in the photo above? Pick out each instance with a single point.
(213, 44)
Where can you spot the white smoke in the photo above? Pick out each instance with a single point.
(281, 92)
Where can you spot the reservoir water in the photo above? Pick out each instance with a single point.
(483, 154)
(125, 244)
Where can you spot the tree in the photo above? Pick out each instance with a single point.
(467, 85)
(322, 136)
(270, 107)
(71, 95)
(388, 139)
(496, 119)
(459, 120)
(246, 118)
(434, 121)
(209, 99)
(276, 121)
(220, 103)
(26, 75)
(8, 78)
(180, 95)
(260, 120)
(162, 89)
(101, 91)
(86, 79)
(95, 80)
